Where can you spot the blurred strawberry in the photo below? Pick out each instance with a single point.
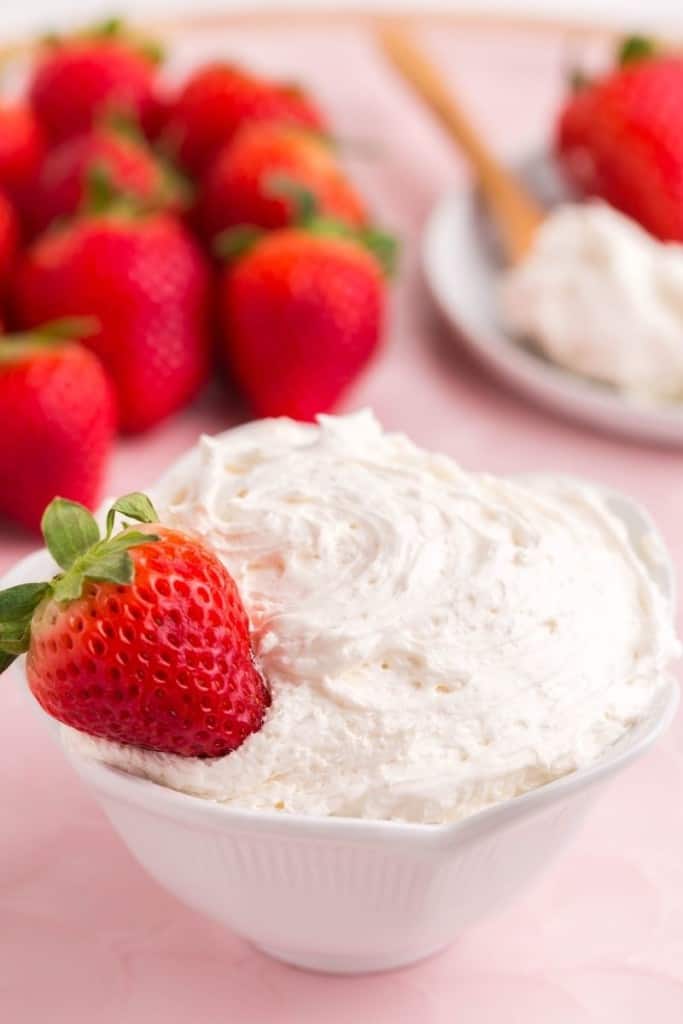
(57, 411)
(301, 314)
(620, 138)
(9, 240)
(147, 284)
(22, 146)
(244, 185)
(77, 78)
(114, 149)
(217, 100)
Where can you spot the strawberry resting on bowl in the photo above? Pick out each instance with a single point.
(141, 638)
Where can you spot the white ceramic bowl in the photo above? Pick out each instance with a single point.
(346, 895)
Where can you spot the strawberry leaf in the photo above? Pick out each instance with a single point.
(73, 539)
(124, 124)
(110, 28)
(103, 197)
(114, 566)
(233, 243)
(130, 539)
(635, 48)
(68, 328)
(100, 194)
(21, 601)
(69, 586)
(17, 605)
(69, 531)
(302, 199)
(382, 246)
(15, 636)
(25, 344)
(136, 506)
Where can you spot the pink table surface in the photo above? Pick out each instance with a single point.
(87, 938)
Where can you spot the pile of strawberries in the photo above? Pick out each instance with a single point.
(145, 235)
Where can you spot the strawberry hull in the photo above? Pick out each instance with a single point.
(163, 662)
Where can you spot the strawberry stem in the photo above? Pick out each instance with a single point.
(73, 539)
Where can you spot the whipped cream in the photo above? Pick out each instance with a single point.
(601, 297)
(435, 640)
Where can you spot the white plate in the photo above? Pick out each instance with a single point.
(461, 269)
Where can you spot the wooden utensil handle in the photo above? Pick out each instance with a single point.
(516, 213)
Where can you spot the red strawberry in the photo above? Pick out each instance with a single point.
(22, 146)
(57, 411)
(218, 100)
(141, 639)
(241, 184)
(146, 283)
(9, 240)
(301, 315)
(80, 77)
(620, 139)
(61, 186)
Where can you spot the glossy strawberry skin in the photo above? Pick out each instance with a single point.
(147, 284)
(58, 414)
(162, 663)
(79, 79)
(301, 316)
(237, 188)
(620, 139)
(60, 185)
(218, 100)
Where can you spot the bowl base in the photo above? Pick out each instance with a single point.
(330, 963)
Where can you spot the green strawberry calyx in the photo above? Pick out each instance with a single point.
(174, 189)
(630, 50)
(103, 197)
(73, 538)
(635, 48)
(235, 242)
(42, 339)
(111, 30)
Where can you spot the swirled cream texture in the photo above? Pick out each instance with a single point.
(601, 297)
(435, 640)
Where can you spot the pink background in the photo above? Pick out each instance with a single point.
(86, 938)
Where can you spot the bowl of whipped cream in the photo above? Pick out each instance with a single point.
(590, 323)
(458, 663)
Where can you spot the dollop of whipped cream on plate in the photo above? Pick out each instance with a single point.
(435, 640)
(600, 296)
